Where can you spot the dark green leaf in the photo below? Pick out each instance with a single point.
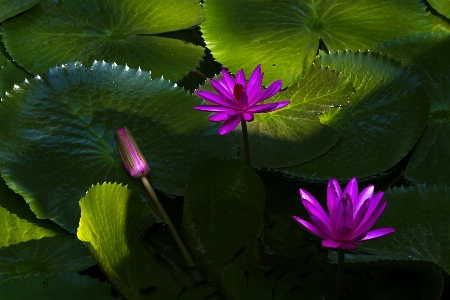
(59, 138)
(223, 210)
(10, 8)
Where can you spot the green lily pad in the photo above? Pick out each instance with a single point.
(241, 282)
(442, 7)
(69, 286)
(428, 56)
(419, 215)
(381, 124)
(62, 253)
(294, 134)
(61, 126)
(223, 209)
(113, 222)
(10, 8)
(124, 32)
(283, 36)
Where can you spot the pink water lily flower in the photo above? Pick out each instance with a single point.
(238, 99)
(350, 215)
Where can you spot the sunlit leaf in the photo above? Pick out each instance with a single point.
(125, 32)
(379, 126)
(283, 36)
(442, 7)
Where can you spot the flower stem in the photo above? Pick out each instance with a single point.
(340, 275)
(162, 212)
(245, 139)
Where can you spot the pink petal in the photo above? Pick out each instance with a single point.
(359, 217)
(373, 205)
(240, 78)
(210, 97)
(313, 207)
(366, 194)
(267, 93)
(248, 116)
(352, 189)
(211, 108)
(229, 81)
(262, 108)
(219, 117)
(321, 225)
(310, 227)
(224, 84)
(280, 104)
(254, 83)
(378, 233)
(334, 194)
(331, 244)
(229, 125)
(348, 246)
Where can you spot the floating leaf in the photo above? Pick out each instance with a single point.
(223, 210)
(10, 8)
(283, 36)
(381, 124)
(419, 215)
(113, 222)
(294, 134)
(442, 7)
(429, 57)
(124, 32)
(62, 253)
(60, 131)
(68, 286)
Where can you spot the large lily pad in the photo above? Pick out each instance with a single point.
(59, 138)
(113, 222)
(428, 56)
(294, 134)
(10, 8)
(223, 209)
(419, 215)
(442, 7)
(69, 286)
(381, 124)
(62, 253)
(124, 32)
(283, 36)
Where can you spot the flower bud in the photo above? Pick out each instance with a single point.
(132, 157)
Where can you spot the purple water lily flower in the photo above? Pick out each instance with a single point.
(238, 99)
(132, 157)
(350, 215)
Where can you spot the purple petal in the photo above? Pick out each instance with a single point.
(229, 125)
(254, 83)
(378, 233)
(359, 217)
(267, 93)
(343, 223)
(210, 97)
(370, 220)
(211, 108)
(280, 104)
(313, 207)
(240, 78)
(374, 204)
(366, 194)
(321, 225)
(219, 117)
(224, 93)
(334, 194)
(262, 108)
(331, 244)
(352, 189)
(310, 227)
(240, 94)
(224, 84)
(248, 116)
(229, 81)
